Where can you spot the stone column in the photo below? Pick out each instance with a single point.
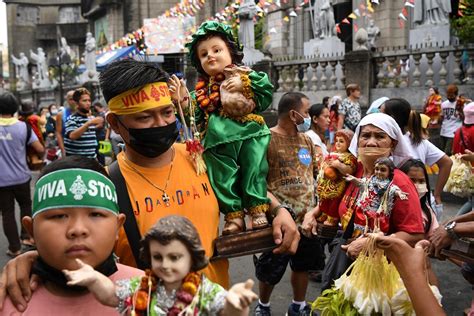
(359, 69)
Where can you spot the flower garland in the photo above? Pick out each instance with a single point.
(248, 93)
(208, 93)
(149, 284)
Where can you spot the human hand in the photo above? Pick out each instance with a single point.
(16, 282)
(402, 195)
(468, 155)
(98, 120)
(406, 259)
(355, 247)
(84, 276)
(234, 84)
(177, 88)
(439, 240)
(309, 225)
(285, 233)
(239, 298)
(350, 178)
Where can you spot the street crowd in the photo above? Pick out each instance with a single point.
(120, 221)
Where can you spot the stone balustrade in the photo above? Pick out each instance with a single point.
(394, 68)
(424, 67)
(309, 74)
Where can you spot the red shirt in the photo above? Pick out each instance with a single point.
(405, 215)
(468, 136)
(33, 120)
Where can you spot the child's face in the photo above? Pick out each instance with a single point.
(214, 55)
(62, 235)
(381, 171)
(341, 144)
(171, 262)
(416, 175)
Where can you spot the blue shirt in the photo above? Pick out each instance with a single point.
(13, 153)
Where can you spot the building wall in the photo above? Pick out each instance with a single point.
(26, 22)
(386, 18)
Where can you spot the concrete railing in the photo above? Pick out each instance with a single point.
(309, 74)
(424, 67)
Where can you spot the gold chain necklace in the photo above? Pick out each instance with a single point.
(164, 196)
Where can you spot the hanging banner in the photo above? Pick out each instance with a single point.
(167, 35)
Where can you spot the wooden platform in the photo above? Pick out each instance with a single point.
(245, 243)
(461, 249)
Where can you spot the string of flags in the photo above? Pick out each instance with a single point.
(182, 14)
(184, 8)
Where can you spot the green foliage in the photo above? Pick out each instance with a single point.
(333, 303)
(464, 26)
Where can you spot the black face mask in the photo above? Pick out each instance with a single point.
(152, 142)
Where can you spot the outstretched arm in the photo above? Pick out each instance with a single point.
(98, 284)
(411, 264)
(356, 181)
(401, 195)
(33, 56)
(444, 164)
(238, 299)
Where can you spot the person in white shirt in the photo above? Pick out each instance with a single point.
(450, 119)
(410, 123)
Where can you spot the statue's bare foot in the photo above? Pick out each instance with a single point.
(259, 220)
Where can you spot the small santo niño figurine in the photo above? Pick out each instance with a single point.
(378, 194)
(227, 100)
(173, 286)
(331, 182)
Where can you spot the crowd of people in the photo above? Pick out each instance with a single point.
(332, 176)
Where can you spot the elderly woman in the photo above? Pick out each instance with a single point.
(376, 136)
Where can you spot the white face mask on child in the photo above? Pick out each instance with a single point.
(421, 188)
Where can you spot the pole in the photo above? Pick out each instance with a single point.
(61, 97)
(60, 69)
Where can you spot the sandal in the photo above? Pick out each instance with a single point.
(233, 226)
(259, 221)
(13, 254)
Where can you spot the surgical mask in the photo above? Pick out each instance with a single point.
(154, 141)
(421, 188)
(48, 115)
(54, 112)
(368, 155)
(305, 126)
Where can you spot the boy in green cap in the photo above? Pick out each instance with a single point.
(75, 215)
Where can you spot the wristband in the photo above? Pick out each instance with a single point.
(288, 208)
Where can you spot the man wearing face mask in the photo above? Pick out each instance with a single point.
(157, 173)
(80, 137)
(292, 169)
